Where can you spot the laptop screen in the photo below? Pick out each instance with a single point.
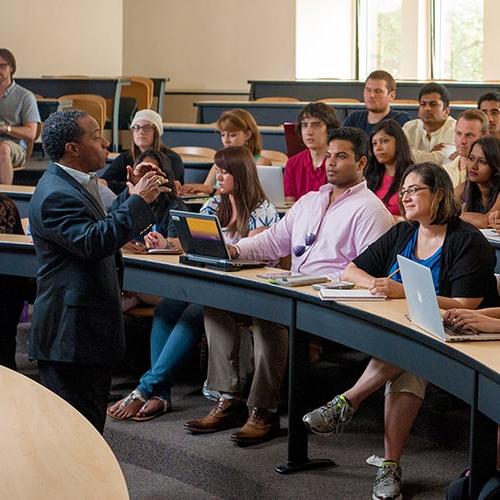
(200, 234)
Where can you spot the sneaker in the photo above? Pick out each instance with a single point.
(330, 419)
(387, 484)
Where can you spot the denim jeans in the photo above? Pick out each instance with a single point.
(177, 327)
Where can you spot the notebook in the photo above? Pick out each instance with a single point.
(271, 179)
(490, 234)
(349, 295)
(423, 308)
(202, 239)
(294, 142)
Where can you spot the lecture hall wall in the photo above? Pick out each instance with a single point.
(199, 44)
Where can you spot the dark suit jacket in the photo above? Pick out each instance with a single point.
(77, 315)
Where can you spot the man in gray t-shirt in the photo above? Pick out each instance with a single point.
(19, 118)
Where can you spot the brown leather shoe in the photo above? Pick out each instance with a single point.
(226, 414)
(262, 425)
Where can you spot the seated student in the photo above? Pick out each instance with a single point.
(243, 210)
(305, 171)
(390, 155)
(461, 262)
(481, 192)
(323, 231)
(489, 104)
(379, 92)
(431, 135)
(14, 290)
(147, 131)
(471, 125)
(166, 201)
(483, 320)
(237, 127)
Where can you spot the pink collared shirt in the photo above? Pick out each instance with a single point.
(343, 230)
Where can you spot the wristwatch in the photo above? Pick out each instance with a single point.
(8, 129)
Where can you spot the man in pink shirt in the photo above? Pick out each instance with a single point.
(323, 232)
(305, 171)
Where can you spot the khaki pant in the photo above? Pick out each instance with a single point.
(407, 382)
(270, 354)
(17, 153)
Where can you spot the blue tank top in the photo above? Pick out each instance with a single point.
(433, 262)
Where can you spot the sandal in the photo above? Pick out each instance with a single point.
(153, 408)
(127, 407)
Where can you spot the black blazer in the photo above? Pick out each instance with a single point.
(77, 314)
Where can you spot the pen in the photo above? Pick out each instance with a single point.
(396, 271)
(144, 231)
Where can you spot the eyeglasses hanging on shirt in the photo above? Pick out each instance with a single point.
(299, 250)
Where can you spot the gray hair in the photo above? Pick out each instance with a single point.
(59, 129)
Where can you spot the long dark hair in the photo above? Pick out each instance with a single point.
(375, 171)
(165, 164)
(248, 192)
(472, 195)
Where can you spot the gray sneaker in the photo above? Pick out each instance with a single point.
(330, 418)
(387, 484)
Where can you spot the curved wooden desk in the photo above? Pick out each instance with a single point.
(49, 450)
(471, 371)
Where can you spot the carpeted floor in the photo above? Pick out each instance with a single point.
(162, 461)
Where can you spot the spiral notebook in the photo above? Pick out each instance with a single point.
(349, 295)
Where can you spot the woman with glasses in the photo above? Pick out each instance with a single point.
(461, 262)
(480, 192)
(237, 127)
(243, 210)
(390, 156)
(147, 131)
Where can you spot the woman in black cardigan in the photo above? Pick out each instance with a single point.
(147, 131)
(462, 265)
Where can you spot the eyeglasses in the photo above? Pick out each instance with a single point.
(146, 128)
(301, 249)
(412, 190)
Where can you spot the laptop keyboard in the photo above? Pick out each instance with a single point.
(456, 331)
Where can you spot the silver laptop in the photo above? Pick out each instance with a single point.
(423, 309)
(203, 242)
(271, 179)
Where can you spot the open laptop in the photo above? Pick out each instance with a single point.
(271, 179)
(202, 239)
(423, 309)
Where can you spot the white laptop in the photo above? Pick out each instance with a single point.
(271, 179)
(423, 309)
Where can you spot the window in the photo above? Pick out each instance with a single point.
(412, 39)
(458, 42)
(325, 36)
(380, 36)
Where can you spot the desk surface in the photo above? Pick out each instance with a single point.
(57, 86)
(49, 450)
(319, 89)
(276, 113)
(207, 135)
(469, 370)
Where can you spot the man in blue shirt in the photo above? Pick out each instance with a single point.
(19, 118)
(379, 92)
